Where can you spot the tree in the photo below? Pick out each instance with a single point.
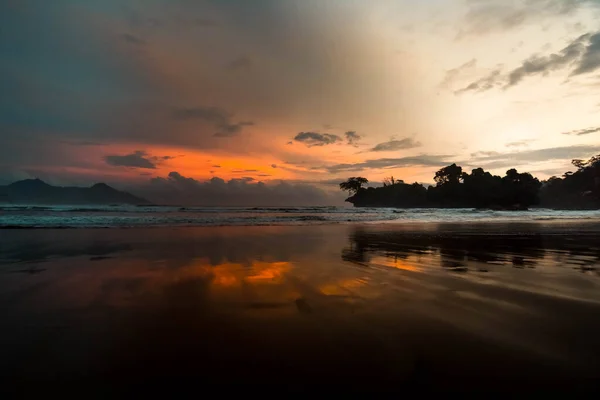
(391, 181)
(579, 164)
(451, 174)
(520, 189)
(354, 184)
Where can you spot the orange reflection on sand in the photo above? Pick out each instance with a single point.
(344, 287)
(266, 273)
(227, 275)
(396, 262)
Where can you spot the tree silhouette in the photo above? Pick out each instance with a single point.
(578, 190)
(480, 189)
(451, 174)
(391, 181)
(354, 184)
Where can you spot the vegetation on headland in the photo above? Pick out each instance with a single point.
(480, 189)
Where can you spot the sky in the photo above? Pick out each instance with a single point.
(277, 101)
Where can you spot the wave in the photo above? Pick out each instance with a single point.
(561, 218)
(25, 217)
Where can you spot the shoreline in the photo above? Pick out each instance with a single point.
(390, 222)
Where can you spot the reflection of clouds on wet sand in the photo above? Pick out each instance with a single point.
(513, 288)
(309, 299)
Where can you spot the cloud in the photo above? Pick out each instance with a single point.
(316, 139)
(520, 143)
(590, 61)
(132, 39)
(273, 166)
(220, 118)
(422, 160)
(484, 154)
(581, 56)
(77, 78)
(137, 159)
(455, 73)
(488, 82)
(394, 144)
(352, 138)
(544, 64)
(549, 171)
(166, 21)
(179, 189)
(488, 16)
(241, 63)
(532, 156)
(479, 159)
(580, 132)
(206, 22)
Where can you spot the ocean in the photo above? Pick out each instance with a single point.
(36, 216)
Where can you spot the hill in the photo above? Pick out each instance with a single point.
(36, 191)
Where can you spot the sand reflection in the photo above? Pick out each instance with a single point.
(310, 302)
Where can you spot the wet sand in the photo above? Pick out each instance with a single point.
(429, 307)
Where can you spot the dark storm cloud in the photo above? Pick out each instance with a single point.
(581, 132)
(109, 71)
(137, 159)
(422, 161)
(178, 189)
(580, 56)
(397, 144)
(221, 119)
(352, 138)
(175, 18)
(59, 76)
(316, 139)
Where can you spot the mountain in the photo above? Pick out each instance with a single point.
(36, 191)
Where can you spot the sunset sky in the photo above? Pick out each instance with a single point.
(161, 96)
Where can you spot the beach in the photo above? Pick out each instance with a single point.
(434, 306)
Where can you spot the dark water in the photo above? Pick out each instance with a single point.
(493, 307)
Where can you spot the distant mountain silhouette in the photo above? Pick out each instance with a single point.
(36, 191)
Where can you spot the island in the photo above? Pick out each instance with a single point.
(455, 188)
